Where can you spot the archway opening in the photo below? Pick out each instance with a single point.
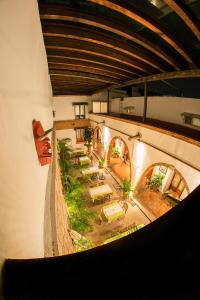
(118, 158)
(160, 188)
(98, 146)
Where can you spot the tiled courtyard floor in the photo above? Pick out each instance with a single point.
(103, 230)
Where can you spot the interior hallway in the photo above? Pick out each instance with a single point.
(120, 168)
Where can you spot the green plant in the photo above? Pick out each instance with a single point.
(88, 135)
(64, 152)
(115, 152)
(102, 161)
(126, 187)
(80, 219)
(83, 244)
(155, 182)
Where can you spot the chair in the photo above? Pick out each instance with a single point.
(124, 205)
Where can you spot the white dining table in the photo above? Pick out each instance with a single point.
(113, 211)
(84, 160)
(90, 171)
(100, 192)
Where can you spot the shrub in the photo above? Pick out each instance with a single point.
(155, 182)
(88, 135)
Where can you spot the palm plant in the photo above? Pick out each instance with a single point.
(126, 187)
(64, 151)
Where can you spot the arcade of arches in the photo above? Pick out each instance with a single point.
(173, 187)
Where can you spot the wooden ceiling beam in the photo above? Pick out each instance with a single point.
(180, 10)
(61, 13)
(121, 7)
(57, 80)
(100, 51)
(162, 76)
(119, 68)
(92, 77)
(82, 68)
(76, 62)
(82, 34)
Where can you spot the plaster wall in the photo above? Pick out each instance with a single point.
(67, 133)
(64, 108)
(162, 108)
(143, 155)
(25, 94)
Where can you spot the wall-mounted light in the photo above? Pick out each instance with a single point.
(137, 136)
(103, 122)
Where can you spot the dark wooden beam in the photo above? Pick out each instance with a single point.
(90, 36)
(55, 63)
(108, 101)
(145, 102)
(100, 51)
(181, 11)
(56, 12)
(125, 65)
(123, 8)
(66, 73)
(81, 68)
(162, 76)
(100, 61)
(71, 124)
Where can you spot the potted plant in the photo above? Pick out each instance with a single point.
(126, 188)
(88, 135)
(115, 152)
(101, 162)
(155, 182)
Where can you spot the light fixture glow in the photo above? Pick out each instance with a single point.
(138, 157)
(106, 137)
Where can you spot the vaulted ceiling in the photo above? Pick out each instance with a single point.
(94, 44)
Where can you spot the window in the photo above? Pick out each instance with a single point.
(80, 109)
(100, 107)
(80, 135)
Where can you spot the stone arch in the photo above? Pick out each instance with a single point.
(148, 172)
(126, 155)
(97, 130)
(97, 142)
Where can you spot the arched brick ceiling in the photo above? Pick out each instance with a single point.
(93, 44)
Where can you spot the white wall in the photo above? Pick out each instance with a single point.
(143, 155)
(103, 95)
(64, 108)
(162, 108)
(25, 94)
(67, 133)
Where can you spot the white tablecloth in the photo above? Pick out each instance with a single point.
(115, 208)
(90, 170)
(99, 191)
(84, 158)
